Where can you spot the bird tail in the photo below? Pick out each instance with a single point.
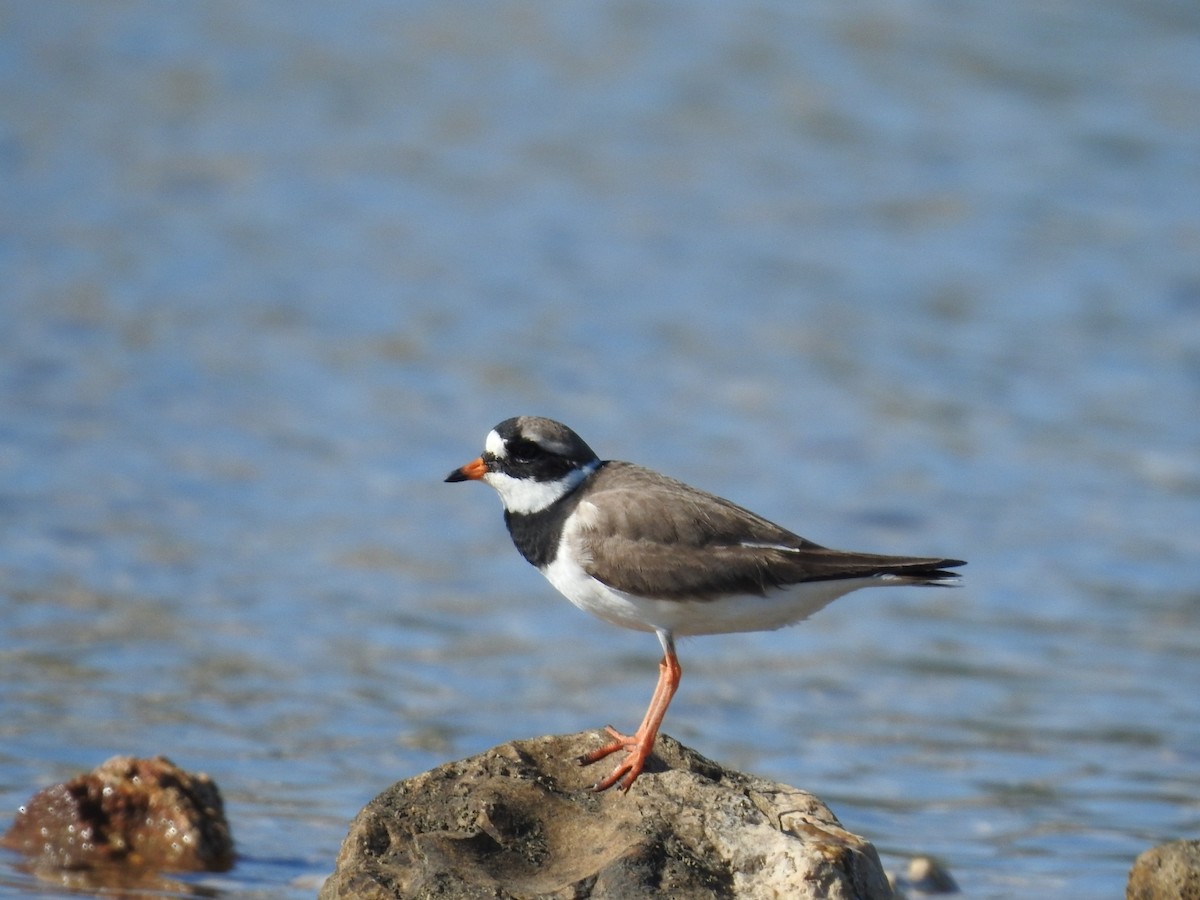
(936, 572)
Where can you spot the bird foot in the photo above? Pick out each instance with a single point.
(637, 749)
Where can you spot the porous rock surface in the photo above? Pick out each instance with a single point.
(127, 813)
(520, 821)
(1166, 872)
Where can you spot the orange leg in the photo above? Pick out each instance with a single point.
(638, 746)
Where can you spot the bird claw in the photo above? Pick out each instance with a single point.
(637, 748)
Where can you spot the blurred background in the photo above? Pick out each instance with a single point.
(912, 277)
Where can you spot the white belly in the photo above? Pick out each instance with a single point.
(691, 617)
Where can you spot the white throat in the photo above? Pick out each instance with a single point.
(522, 496)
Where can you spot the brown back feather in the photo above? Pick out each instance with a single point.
(657, 537)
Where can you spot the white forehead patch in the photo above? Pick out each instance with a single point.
(495, 445)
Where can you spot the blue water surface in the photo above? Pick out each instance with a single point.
(914, 278)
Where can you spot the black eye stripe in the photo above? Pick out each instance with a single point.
(524, 450)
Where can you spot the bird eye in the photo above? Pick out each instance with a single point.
(524, 451)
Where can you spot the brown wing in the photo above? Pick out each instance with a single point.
(646, 534)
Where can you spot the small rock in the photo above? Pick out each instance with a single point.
(520, 821)
(1166, 872)
(127, 813)
(923, 876)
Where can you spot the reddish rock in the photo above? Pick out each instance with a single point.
(129, 813)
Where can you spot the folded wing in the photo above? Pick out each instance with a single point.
(691, 544)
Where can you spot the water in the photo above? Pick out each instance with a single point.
(911, 278)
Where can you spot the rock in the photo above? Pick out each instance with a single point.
(520, 821)
(924, 876)
(1166, 872)
(128, 813)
